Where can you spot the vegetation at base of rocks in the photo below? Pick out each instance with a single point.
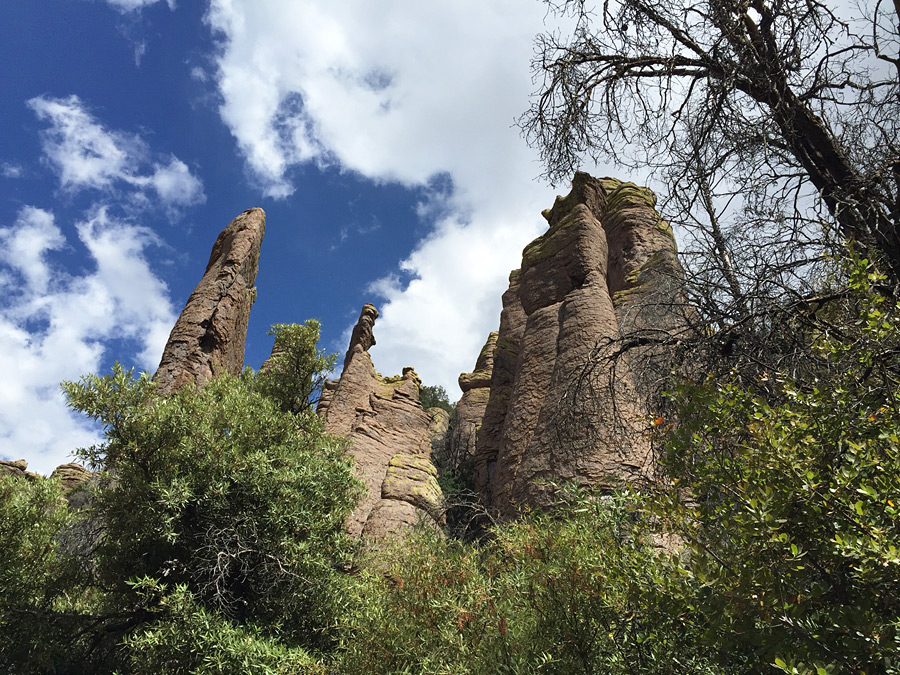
(581, 591)
(769, 542)
(213, 538)
(190, 637)
(34, 573)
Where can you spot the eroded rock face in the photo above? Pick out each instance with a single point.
(17, 468)
(390, 439)
(71, 475)
(476, 388)
(208, 338)
(606, 264)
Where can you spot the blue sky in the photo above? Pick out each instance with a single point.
(378, 137)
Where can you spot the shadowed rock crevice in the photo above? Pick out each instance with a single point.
(476, 388)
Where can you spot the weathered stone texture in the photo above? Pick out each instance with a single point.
(71, 475)
(17, 468)
(208, 338)
(476, 388)
(605, 258)
(390, 439)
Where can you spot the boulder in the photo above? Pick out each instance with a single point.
(71, 475)
(17, 468)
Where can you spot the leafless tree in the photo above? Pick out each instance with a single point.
(772, 126)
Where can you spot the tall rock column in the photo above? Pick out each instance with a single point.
(208, 338)
(589, 277)
(476, 388)
(390, 439)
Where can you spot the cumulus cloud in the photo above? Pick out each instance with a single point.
(55, 325)
(88, 156)
(433, 90)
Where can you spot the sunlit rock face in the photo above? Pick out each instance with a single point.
(73, 478)
(389, 437)
(208, 338)
(606, 267)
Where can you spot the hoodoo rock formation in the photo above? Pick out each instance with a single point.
(476, 388)
(542, 405)
(390, 439)
(208, 338)
(606, 265)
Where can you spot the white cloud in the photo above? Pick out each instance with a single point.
(135, 5)
(400, 92)
(8, 170)
(86, 155)
(23, 249)
(55, 326)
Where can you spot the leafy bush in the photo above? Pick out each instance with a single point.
(787, 499)
(189, 638)
(33, 515)
(582, 591)
(435, 396)
(219, 517)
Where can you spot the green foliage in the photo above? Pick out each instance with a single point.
(213, 541)
(218, 490)
(33, 515)
(770, 543)
(787, 499)
(187, 638)
(435, 396)
(296, 371)
(583, 591)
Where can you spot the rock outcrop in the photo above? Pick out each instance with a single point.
(17, 468)
(390, 439)
(606, 265)
(208, 338)
(476, 390)
(73, 477)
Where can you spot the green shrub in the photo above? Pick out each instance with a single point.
(216, 539)
(582, 591)
(787, 499)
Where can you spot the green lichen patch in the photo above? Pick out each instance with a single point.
(625, 195)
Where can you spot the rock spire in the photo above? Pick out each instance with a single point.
(476, 388)
(208, 338)
(390, 439)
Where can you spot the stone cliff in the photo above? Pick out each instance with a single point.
(606, 266)
(389, 437)
(208, 338)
